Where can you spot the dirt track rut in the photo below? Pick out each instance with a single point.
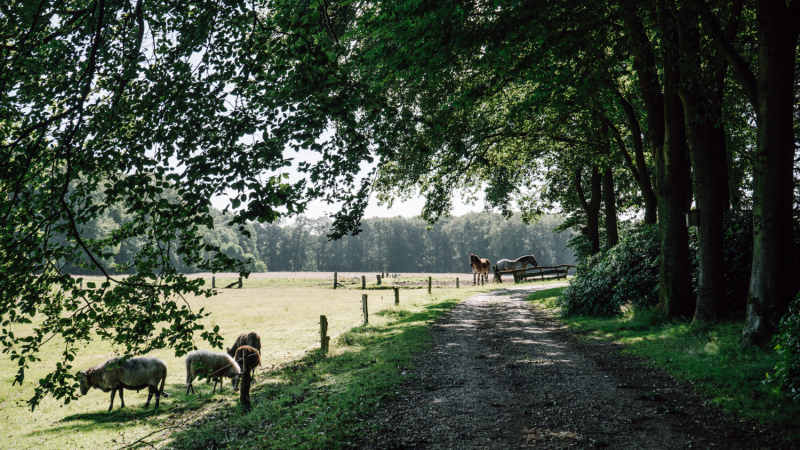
(505, 375)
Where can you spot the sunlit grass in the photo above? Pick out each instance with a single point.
(286, 317)
(708, 357)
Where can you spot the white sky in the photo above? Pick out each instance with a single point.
(410, 208)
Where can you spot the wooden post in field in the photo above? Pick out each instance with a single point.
(456, 282)
(240, 282)
(429, 285)
(244, 386)
(363, 282)
(335, 277)
(396, 296)
(379, 279)
(213, 282)
(324, 339)
(364, 307)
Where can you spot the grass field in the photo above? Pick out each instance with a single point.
(283, 310)
(709, 358)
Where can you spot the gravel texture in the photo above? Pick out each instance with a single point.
(503, 374)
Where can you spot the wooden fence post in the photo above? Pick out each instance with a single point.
(456, 282)
(213, 282)
(324, 339)
(364, 307)
(379, 279)
(335, 277)
(363, 282)
(396, 296)
(429, 285)
(240, 282)
(244, 386)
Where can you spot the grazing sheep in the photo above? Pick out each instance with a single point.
(212, 365)
(252, 339)
(134, 374)
(253, 359)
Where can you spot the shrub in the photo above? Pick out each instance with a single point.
(627, 272)
(787, 345)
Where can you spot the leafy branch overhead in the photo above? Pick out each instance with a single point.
(132, 106)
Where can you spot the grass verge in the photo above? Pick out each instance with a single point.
(323, 401)
(708, 357)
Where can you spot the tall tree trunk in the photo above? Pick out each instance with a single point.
(611, 208)
(773, 279)
(709, 167)
(674, 282)
(710, 187)
(591, 207)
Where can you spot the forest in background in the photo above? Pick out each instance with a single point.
(396, 244)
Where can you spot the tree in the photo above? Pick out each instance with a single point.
(770, 89)
(97, 99)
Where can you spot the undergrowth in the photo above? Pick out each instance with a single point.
(709, 358)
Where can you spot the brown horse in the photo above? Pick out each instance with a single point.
(480, 267)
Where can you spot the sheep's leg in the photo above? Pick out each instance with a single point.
(160, 390)
(189, 379)
(150, 391)
(113, 393)
(215, 387)
(121, 400)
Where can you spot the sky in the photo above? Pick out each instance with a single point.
(410, 208)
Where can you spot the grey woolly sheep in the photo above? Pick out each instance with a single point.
(134, 374)
(252, 339)
(253, 358)
(212, 365)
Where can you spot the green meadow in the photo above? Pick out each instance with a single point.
(285, 311)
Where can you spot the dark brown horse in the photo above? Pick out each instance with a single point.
(480, 267)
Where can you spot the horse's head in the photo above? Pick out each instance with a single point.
(471, 259)
(532, 260)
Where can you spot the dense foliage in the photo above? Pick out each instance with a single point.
(611, 278)
(787, 344)
(624, 273)
(133, 109)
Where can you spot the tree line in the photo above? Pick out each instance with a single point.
(395, 244)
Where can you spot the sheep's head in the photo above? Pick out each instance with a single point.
(235, 381)
(84, 381)
(230, 351)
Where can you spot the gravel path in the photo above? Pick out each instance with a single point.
(505, 375)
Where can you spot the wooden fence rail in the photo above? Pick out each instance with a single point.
(539, 271)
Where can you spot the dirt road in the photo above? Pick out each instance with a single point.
(504, 375)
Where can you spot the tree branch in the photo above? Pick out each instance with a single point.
(740, 66)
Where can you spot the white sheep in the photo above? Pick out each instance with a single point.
(212, 365)
(134, 374)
